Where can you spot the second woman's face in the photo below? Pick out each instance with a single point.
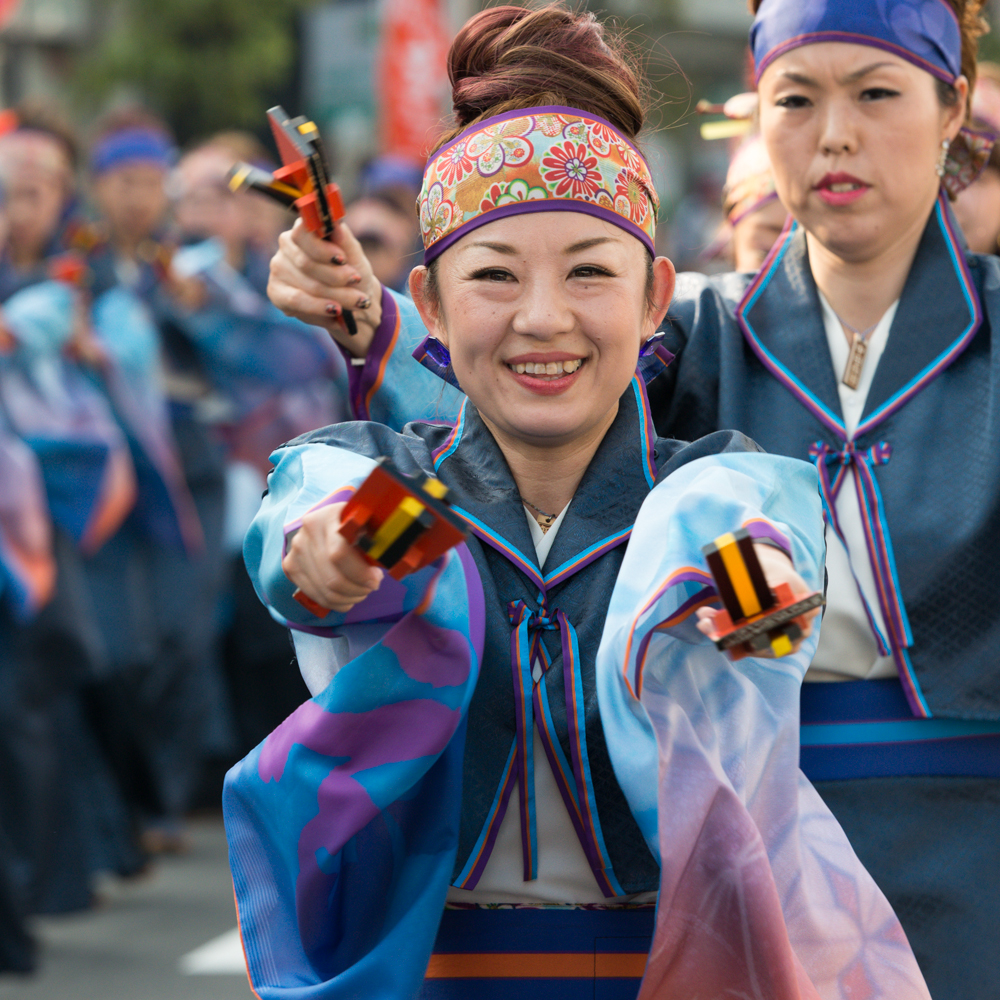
(544, 315)
(854, 134)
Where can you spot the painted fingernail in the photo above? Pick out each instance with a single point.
(363, 303)
(337, 259)
(354, 279)
(332, 309)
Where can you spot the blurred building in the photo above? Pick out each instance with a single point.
(39, 39)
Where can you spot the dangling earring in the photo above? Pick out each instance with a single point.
(943, 158)
(435, 357)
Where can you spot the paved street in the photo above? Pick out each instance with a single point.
(167, 936)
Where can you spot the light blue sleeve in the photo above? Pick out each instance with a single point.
(125, 326)
(41, 317)
(650, 639)
(760, 892)
(305, 478)
(392, 387)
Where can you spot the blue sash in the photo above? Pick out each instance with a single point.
(548, 954)
(865, 729)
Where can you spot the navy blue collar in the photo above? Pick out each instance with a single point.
(604, 507)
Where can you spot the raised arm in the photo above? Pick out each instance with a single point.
(314, 281)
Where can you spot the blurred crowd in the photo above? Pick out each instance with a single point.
(144, 380)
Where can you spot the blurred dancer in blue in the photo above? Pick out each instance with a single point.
(156, 584)
(864, 344)
(58, 794)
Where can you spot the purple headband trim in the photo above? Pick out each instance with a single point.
(924, 32)
(531, 112)
(549, 205)
(134, 145)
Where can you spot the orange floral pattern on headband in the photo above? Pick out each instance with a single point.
(516, 163)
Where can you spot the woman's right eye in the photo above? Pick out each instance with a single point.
(492, 274)
(793, 102)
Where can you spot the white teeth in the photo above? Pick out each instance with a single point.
(842, 188)
(547, 367)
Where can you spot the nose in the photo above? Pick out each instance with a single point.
(839, 133)
(543, 311)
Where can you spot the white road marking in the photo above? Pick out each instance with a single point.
(222, 956)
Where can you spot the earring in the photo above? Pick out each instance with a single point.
(435, 357)
(943, 158)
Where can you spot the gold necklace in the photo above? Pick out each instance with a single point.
(545, 521)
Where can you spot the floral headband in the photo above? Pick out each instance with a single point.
(543, 159)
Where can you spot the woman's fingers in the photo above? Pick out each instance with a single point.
(327, 569)
(327, 272)
(320, 251)
(317, 281)
(706, 621)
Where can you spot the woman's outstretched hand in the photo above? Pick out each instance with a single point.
(315, 281)
(777, 569)
(325, 566)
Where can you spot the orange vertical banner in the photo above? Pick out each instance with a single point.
(412, 76)
(8, 8)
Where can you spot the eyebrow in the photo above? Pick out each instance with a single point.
(808, 81)
(504, 248)
(865, 70)
(508, 250)
(594, 241)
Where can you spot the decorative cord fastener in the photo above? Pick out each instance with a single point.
(832, 466)
(531, 706)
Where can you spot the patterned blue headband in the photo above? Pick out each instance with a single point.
(925, 32)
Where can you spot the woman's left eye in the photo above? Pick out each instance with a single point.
(589, 271)
(878, 94)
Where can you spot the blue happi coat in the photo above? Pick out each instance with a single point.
(347, 824)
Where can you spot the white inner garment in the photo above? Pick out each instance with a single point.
(564, 875)
(847, 648)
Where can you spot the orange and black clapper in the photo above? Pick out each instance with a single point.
(303, 183)
(397, 522)
(755, 618)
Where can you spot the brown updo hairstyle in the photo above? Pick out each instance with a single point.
(972, 24)
(510, 57)
(506, 58)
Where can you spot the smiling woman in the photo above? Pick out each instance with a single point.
(555, 658)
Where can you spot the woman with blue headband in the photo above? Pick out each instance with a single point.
(533, 736)
(864, 344)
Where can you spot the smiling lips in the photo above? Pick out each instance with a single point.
(841, 189)
(546, 377)
(547, 367)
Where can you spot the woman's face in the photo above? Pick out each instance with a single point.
(544, 315)
(854, 135)
(977, 209)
